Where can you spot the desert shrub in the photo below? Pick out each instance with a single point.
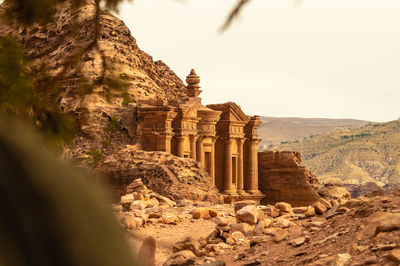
(113, 125)
(95, 157)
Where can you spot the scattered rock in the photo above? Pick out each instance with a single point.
(381, 222)
(222, 221)
(241, 204)
(182, 258)
(282, 222)
(281, 235)
(298, 241)
(138, 205)
(247, 214)
(201, 213)
(394, 255)
(187, 244)
(319, 207)
(245, 228)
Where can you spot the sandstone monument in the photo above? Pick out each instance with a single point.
(219, 136)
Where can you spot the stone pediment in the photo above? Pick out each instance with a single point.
(230, 112)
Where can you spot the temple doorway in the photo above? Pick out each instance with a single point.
(234, 171)
(207, 162)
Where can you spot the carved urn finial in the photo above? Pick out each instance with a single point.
(193, 87)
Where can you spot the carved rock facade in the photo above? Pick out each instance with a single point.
(282, 178)
(220, 137)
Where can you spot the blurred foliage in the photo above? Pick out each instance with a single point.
(21, 95)
(51, 214)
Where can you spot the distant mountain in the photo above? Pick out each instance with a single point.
(274, 130)
(370, 153)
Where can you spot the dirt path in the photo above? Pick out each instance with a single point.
(168, 235)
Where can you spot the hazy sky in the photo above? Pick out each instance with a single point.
(324, 58)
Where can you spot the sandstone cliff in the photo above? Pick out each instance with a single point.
(282, 178)
(105, 118)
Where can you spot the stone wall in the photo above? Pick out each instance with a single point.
(282, 178)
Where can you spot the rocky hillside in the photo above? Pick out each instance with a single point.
(275, 130)
(52, 47)
(370, 153)
(105, 116)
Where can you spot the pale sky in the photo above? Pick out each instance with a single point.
(324, 58)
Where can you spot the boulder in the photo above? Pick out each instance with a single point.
(238, 236)
(281, 235)
(153, 202)
(282, 178)
(135, 185)
(201, 213)
(319, 207)
(182, 258)
(310, 211)
(213, 213)
(300, 209)
(245, 228)
(248, 214)
(187, 244)
(298, 241)
(352, 203)
(282, 222)
(169, 218)
(334, 192)
(138, 205)
(394, 255)
(163, 200)
(381, 222)
(284, 208)
(327, 204)
(127, 199)
(241, 204)
(138, 196)
(271, 211)
(222, 221)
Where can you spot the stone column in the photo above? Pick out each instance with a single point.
(180, 147)
(212, 162)
(240, 184)
(164, 143)
(228, 166)
(200, 151)
(251, 171)
(193, 139)
(256, 164)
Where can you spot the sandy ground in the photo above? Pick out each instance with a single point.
(167, 235)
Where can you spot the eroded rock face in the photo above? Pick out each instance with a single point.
(166, 174)
(282, 178)
(54, 45)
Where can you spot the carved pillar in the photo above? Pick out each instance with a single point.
(212, 162)
(200, 151)
(193, 139)
(228, 166)
(250, 179)
(180, 147)
(240, 184)
(256, 142)
(164, 143)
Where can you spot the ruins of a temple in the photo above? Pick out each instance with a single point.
(220, 137)
(224, 141)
